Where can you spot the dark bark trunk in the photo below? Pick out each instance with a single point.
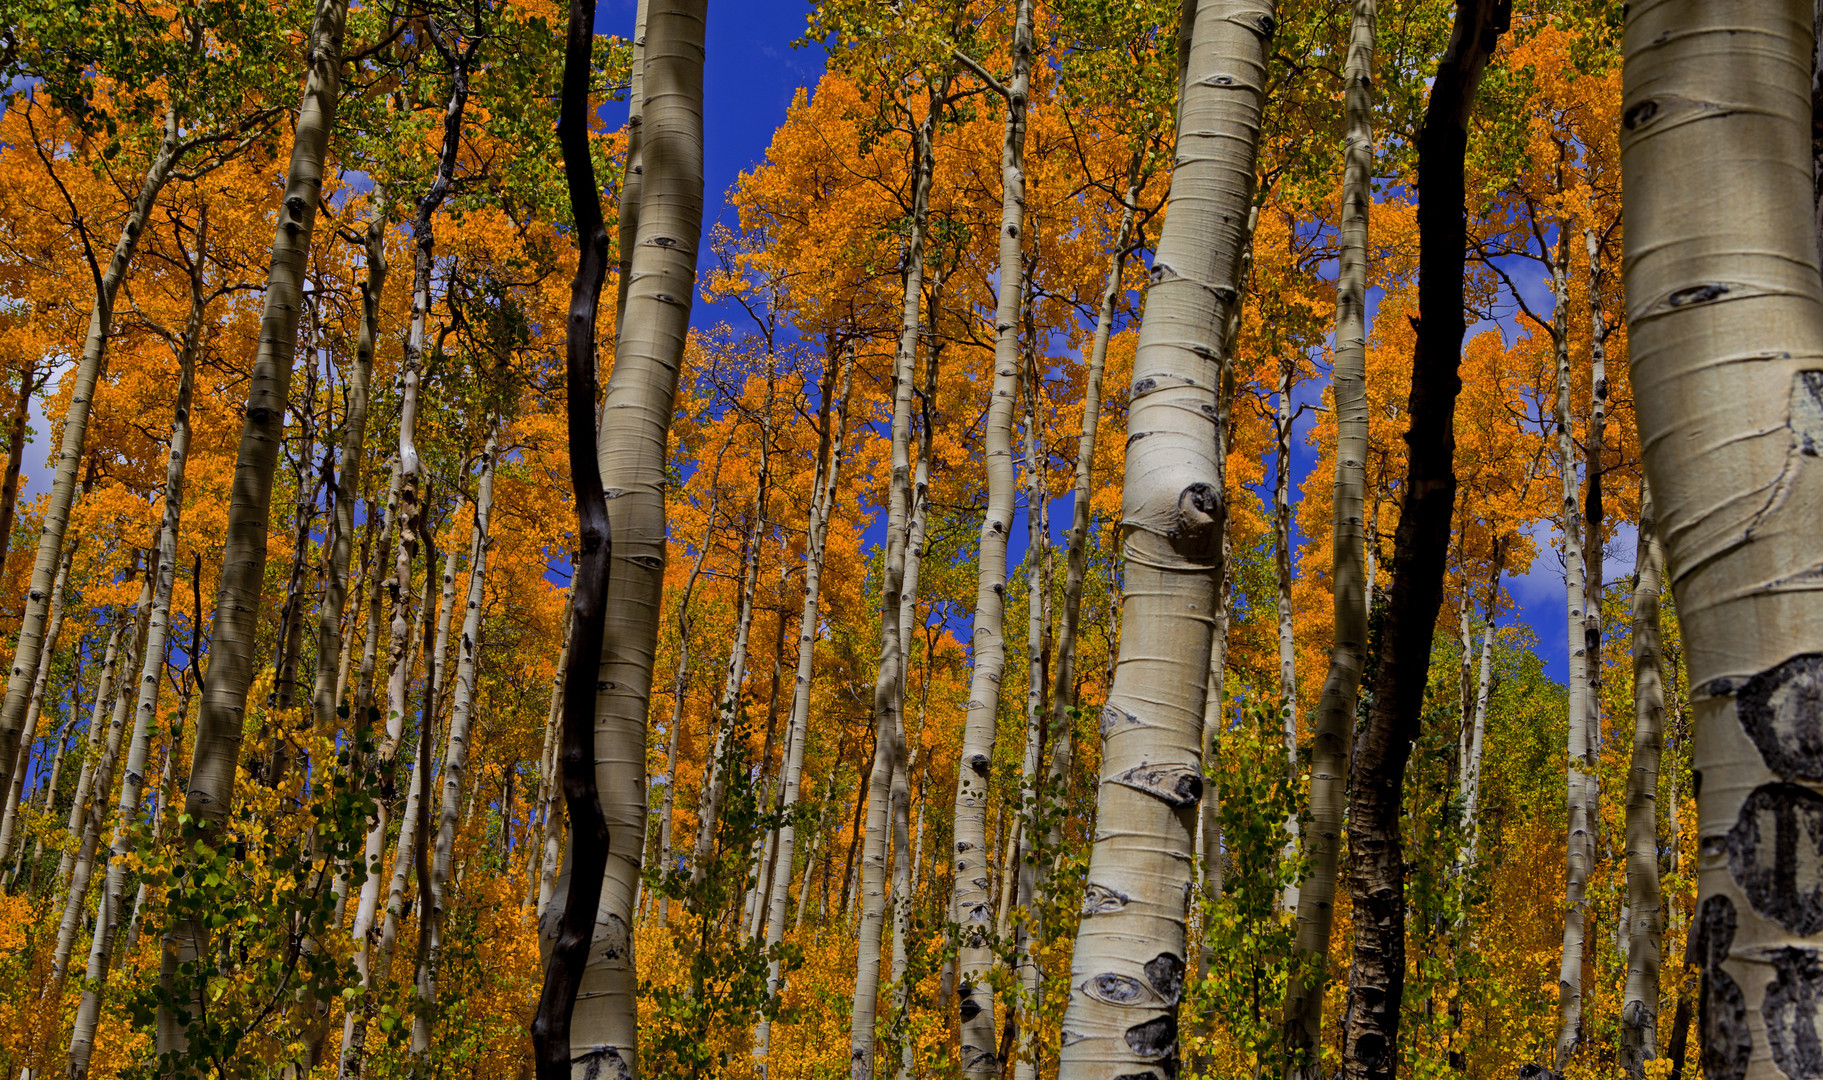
(588, 827)
(1376, 981)
(15, 456)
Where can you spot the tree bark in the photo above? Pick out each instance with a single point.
(1376, 979)
(210, 794)
(1639, 1010)
(1281, 561)
(1128, 971)
(971, 904)
(636, 417)
(15, 457)
(15, 790)
(1332, 735)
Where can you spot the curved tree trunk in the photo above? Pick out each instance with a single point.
(971, 904)
(210, 794)
(29, 385)
(69, 450)
(151, 673)
(1332, 735)
(1138, 889)
(1376, 978)
(1639, 1011)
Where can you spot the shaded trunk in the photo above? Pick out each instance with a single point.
(1376, 979)
(1639, 1010)
(15, 457)
(1332, 734)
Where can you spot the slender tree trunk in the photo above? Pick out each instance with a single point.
(823, 498)
(636, 417)
(210, 795)
(877, 795)
(455, 756)
(1376, 978)
(1581, 755)
(971, 903)
(1332, 736)
(728, 704)
(1135, 902)
(151, 673)
(106, 691)
(15, 790)
(550, 827)
(1639, 1012)
(1281, 559)
(70, 449)
(1470, 789)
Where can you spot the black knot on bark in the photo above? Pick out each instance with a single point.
(1197, 534)
(1641, 113)
(1696, 294)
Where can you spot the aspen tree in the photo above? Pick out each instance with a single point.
(542, 861)
(107, 690)
(1376, 976)
(455, 757)
(1580, 847)
(636, 415)
(822, 507)
(1476, 735)
(971, 904)
(29, 385)
(210, 794)
(1639, 1011)
(1128, 971)
(162, 583)
(871, 881)
(1725, 321)
(1332, 734)
(1283, 416)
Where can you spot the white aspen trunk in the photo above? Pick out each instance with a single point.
(822, 506)
(971, 905)
(1470, 790)
(455, 755)
(728, 705)
(163, 799)
(410, 837)
(544, 854)
(1128, 970)
(636, 416)
(210, 794)
(82, 870)
(1639, 1010)
(1281, 560)
(1580, 754)
(106, 691)
(1332, 734)
(633, 174)
(151, 672)
(32, 634)
(869, 884)
(15, 791)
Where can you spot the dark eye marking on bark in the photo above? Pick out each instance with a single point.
(1099, 899)
(1155, 1038)
(1697, 294)
(1639, 114)
(1116, 989)
(1791, 1009)
(1195, 534)
(1775, 854)
(1177, 785)
(1722, 1012)
(1112, 717)
(1166, 974)
(1781, 708)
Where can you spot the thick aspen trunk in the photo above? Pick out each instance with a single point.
(636, 416)
(53, 627)
(871, 881)
(210, 794)
(70, 449)
(151, 673)
(971, 905)
(1376, 977)
(1128, 971)
(1639, 1010)
(1332, 734)
(1581, 755)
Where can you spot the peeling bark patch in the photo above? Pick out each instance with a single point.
(1775, 854)
(1177, 785)
(1099, 899)
(1807, 412)
(1722, 1012)
(1155, 1038)
(1781, 708)
(1793, 1003)
(615, 941)
(1166, 974)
